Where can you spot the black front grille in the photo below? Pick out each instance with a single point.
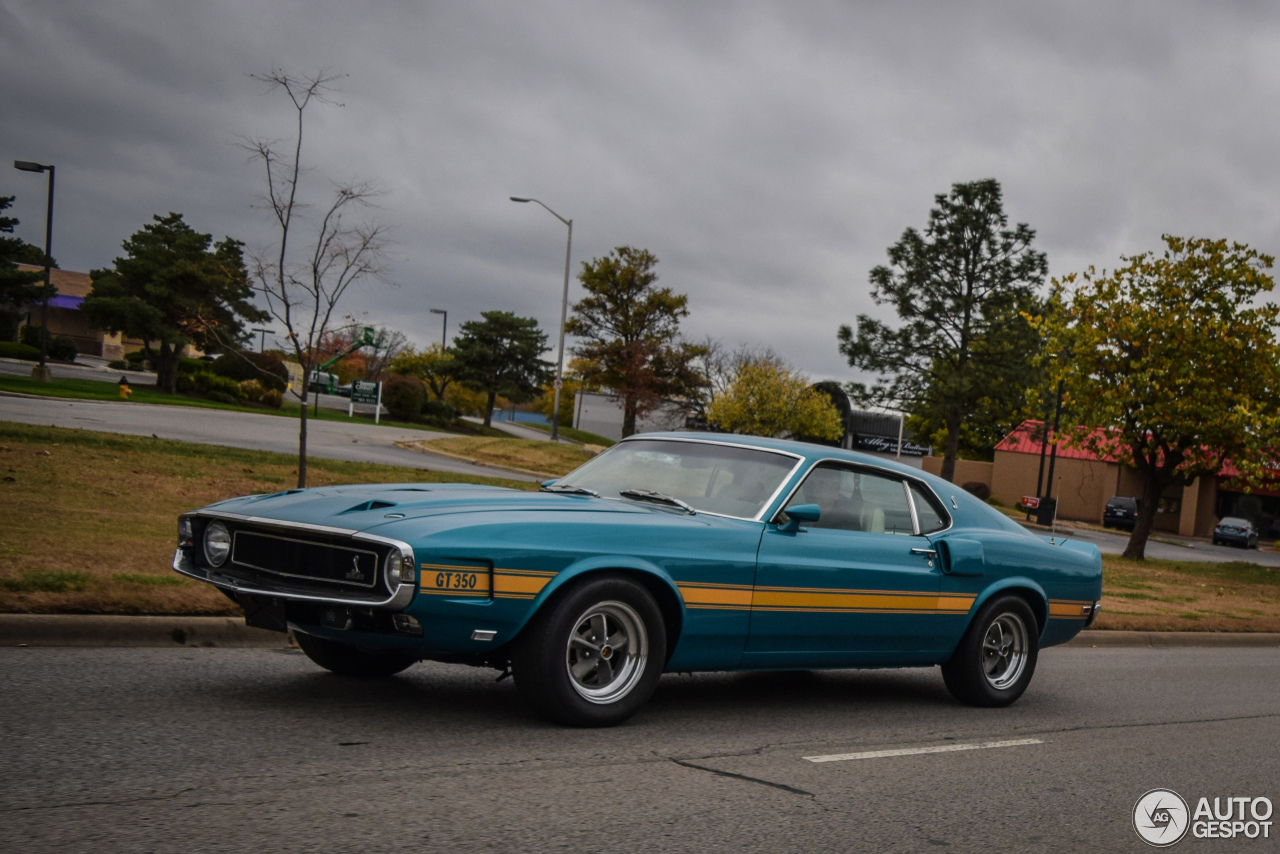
(292, 558)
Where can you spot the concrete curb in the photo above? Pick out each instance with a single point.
(50, 630)
(75, 630)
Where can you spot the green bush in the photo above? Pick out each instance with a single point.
(192, 366)
(263, 367)
(14, 350)
(251, 390)
(978, 489)
(404, 397)
(136, 356)
(206, 384)
(9, 321)
(119, 365)
(439, 413)
(273, 397)
(59, 347)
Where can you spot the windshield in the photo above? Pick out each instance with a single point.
(1233, 522)
(731, 481)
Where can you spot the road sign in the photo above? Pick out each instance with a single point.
(1030, 502)
(365, 391)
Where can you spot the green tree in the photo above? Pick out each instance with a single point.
(172, 288)
(1175, 360)
(17, 287)
(501, 355)
(768, 399)
(434, 365)
(630, 330)
(961, 290)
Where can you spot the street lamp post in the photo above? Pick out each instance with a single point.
(262, 343)
(41, 372)
(564, 311)
(444, 326)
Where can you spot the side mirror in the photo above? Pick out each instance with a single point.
(550, 482)
(799, 513)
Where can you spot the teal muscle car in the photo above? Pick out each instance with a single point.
(668, 552)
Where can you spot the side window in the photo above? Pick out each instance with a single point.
(855, 500)
(932, 517)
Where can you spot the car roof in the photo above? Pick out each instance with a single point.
(808, 450)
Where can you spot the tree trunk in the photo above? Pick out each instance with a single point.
(628, 417)
(167, 369)
(488, 409)
(951, 450)
(302, 432)
(1152, 488)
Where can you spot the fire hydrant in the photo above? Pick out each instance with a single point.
(125, 389)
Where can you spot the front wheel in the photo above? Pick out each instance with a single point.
(995, 660)
(592, 656)
(347, 660)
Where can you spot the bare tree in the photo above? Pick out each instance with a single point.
(720, 367)
(303, 288)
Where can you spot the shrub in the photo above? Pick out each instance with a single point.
(9, 321)
(273, 397)
(438, 411)
(206, 384)
(14, 350)
(136, 356)
(192, 366)
(267, 369)
(251, 390)
(404, 397)
(995, 502)
(119, 365)
(978, 489)
(60, 347)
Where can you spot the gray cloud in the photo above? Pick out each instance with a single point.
(768, 153)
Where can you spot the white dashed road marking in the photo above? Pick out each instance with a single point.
(915, 751)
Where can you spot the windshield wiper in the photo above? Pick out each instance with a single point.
(656, 497)
(569, 490)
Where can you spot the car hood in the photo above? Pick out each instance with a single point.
(367, 507)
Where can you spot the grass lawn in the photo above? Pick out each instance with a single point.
(89, 519)
(576, 435)
(98, 390)
(553, 458)
(1183, 595)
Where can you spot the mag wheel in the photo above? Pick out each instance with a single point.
(349, 660)
(995, 660)
(592, 656)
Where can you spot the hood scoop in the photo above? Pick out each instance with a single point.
(366, 506)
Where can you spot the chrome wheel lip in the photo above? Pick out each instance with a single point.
(603, 679)
(1005, 646)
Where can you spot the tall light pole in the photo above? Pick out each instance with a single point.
(564, 311)
(262, 344)
(444, 326)
(41, 372)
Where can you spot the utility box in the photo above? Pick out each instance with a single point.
(1046, 510)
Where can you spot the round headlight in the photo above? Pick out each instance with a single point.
(217, 543)
(399, 569)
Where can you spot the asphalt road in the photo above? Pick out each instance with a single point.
(330, 439)
(254, 750)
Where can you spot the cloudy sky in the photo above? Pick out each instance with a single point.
(766, 152)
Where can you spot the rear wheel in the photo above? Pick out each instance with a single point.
(592, 656)
(995, 660)
(348, 660)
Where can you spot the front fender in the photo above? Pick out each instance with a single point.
(603, 563)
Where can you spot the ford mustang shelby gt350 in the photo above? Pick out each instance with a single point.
(667, 552)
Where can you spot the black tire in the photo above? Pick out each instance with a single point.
(996, 658)
(569, 675)
(347, 660)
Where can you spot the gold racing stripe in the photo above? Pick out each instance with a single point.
(453, 580)
(519, 583)
(1070, 609)
(819, 600)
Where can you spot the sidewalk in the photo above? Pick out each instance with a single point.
(72, 630)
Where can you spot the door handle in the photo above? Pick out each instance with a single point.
(929, 553)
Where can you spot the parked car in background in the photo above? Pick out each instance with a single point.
(1121, 512)
(1234, 531)
(669, 552)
